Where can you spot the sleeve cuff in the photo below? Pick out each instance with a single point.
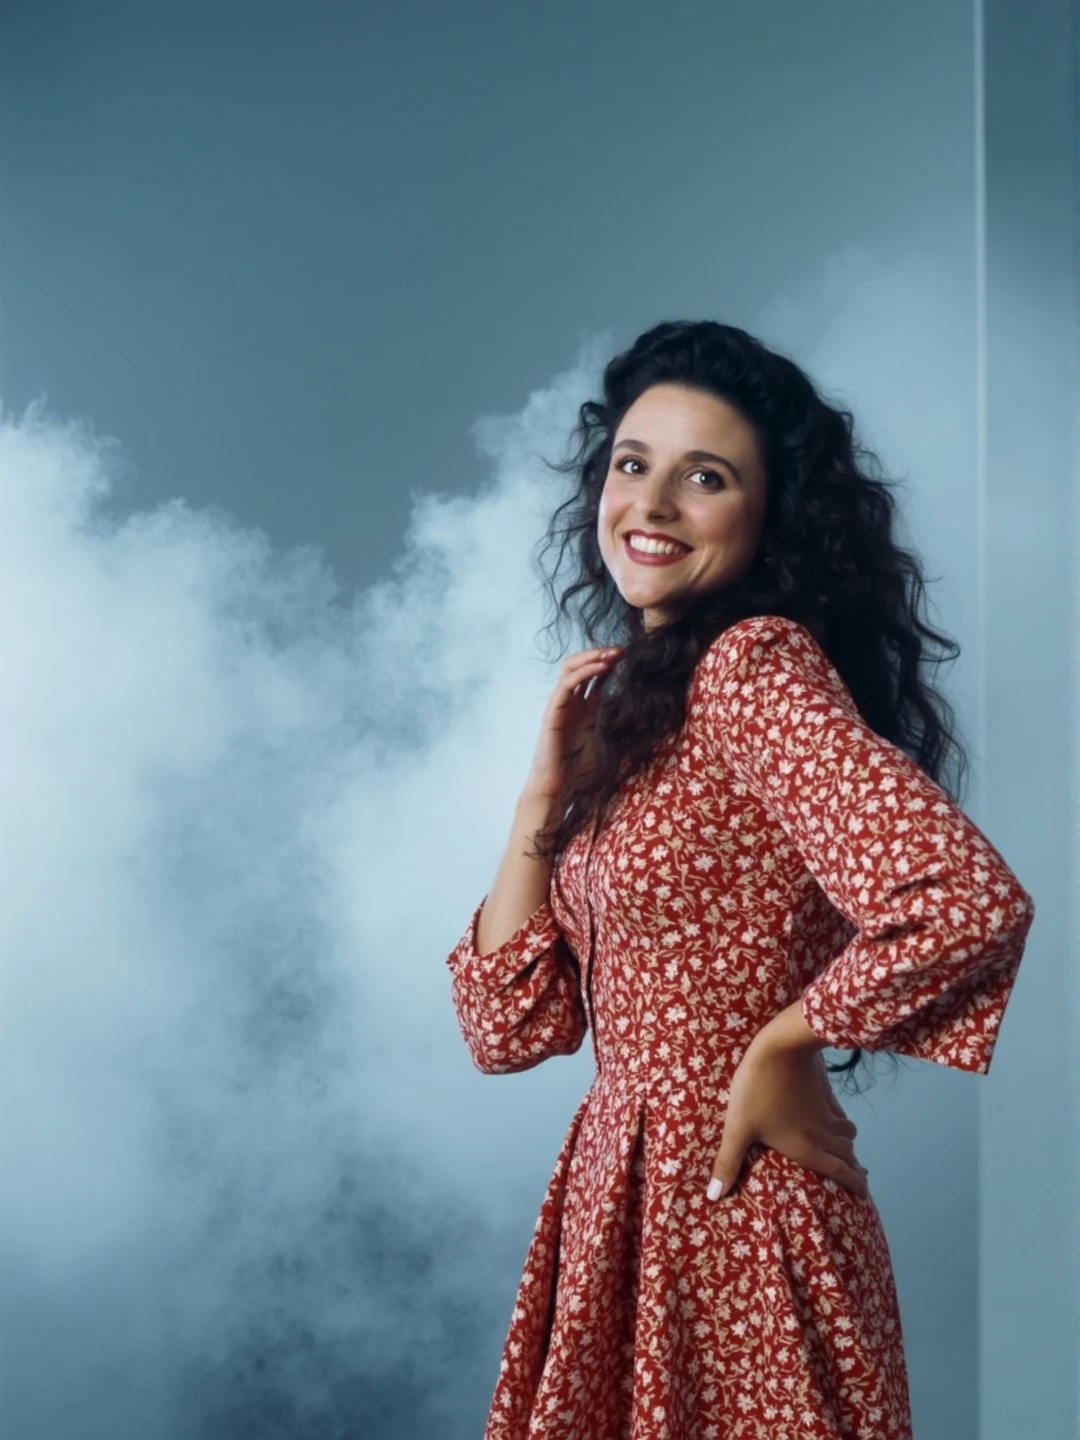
(530, 940)
(958, 1028)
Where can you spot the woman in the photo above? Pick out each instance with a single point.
(731, 851)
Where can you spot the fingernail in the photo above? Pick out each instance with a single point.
(715, 1190)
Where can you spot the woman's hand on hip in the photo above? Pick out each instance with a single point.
(781, 1097)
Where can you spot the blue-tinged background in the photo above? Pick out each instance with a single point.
(291, 299)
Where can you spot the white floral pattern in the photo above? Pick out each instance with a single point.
(775, 848)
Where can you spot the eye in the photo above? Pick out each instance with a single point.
(634, 460)
(711, 474)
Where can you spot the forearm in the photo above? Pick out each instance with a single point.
(522, 882)
(788, 1030)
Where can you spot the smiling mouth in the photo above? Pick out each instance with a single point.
(654, 557)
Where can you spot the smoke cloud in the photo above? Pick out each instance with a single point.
(252, 1181)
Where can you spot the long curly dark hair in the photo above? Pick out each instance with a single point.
(833, 564)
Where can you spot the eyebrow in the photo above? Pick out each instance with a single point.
(644, 449)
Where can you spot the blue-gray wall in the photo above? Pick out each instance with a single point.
(1026, 608)
(337, 271)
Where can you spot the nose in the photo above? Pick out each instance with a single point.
(657, 497)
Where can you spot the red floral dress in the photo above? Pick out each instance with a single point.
(775, 848)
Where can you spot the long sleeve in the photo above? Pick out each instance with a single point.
(942, 921)
(520, 1003)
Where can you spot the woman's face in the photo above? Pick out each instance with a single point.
(712, 502)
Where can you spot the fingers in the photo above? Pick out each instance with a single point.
(602, 654)
(854, 1177)
(840, 1165)
(851, 1174)
(834, 1156)
(728, 1163)
(578, 670)
(847, 1167)
(829, 1149)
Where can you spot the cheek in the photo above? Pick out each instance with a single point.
(606, 514)
(727, 528)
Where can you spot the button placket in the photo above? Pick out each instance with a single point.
(589, 1010)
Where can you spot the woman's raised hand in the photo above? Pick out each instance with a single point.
(569, 717)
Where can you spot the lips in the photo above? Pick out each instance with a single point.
(644, 557)
(656, 535)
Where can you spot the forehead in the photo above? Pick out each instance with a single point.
(675, 409)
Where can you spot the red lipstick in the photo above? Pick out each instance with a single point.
(642, 557)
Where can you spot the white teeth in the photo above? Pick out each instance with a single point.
(654, 547)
